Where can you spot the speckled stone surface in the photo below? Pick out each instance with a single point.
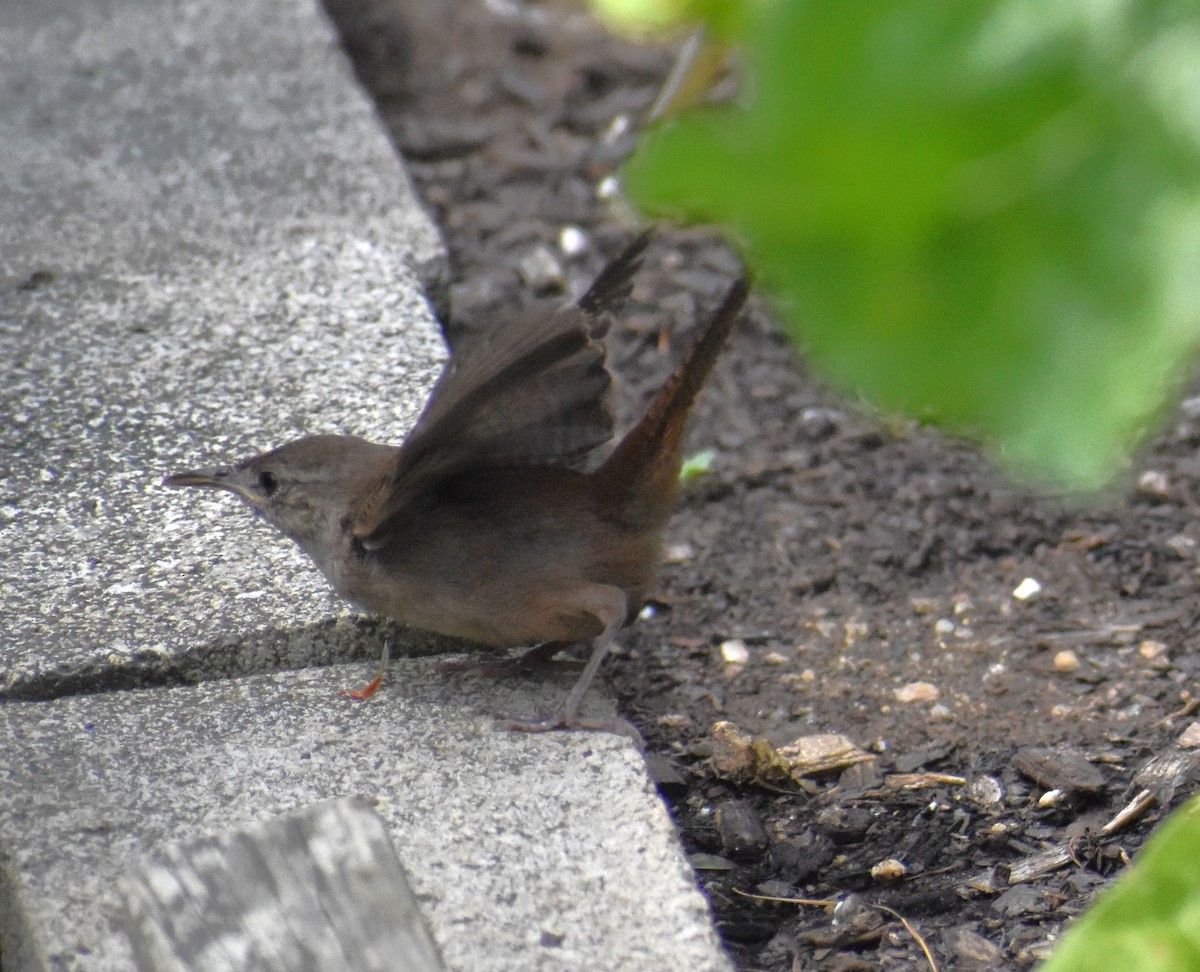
(207, 247)
(107, 573)
(134, 136)
(527, 852)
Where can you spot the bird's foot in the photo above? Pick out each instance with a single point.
(561, 719)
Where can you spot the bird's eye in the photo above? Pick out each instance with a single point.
(267, 482)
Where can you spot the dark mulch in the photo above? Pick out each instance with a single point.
(850, 556)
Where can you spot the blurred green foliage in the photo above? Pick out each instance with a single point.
(984, 214)
(1149, 921)
(725, 17)
(696, 465)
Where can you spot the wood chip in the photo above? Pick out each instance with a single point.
(921, 781)
(741, 757)
(1129, 813)
(1059, 768)
(821, 753)
(1166, 771)
(1165, 774)
(1033, 867)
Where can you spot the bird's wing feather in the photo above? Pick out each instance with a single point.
(535, 391)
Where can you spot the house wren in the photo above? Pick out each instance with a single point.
(487, 523)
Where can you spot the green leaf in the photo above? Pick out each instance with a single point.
(1149, 921)
(985, 214)
(697, 465)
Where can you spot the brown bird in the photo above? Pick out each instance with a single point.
(487, 522)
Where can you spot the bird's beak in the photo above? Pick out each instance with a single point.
(217, 477)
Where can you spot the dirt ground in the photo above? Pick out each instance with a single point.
(836, 572)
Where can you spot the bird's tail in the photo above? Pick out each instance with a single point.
(645, 465)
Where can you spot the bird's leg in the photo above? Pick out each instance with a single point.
(364, 693)
(566, 716)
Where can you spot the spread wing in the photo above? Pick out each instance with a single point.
(533, 392)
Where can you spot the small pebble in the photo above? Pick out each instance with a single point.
(608, 187)
(889, 870)
(855, 631)
(1190, 737)
(1066, 661)
(985, 791)
(1154, 651)
(1018, 900)
(1182, 545)
(573, 241)
(1051, 798)
(774, 658)
(541, 270)
(849, 908)
(735, 652)
(798, 681)
(803, 857)
(943, 627)
(732, 751)
(845, 825)
(972, 951)
(1154, 483)
(679, 553)
(1027, 590)
(917, 692)
(775, 888)
(742, 833)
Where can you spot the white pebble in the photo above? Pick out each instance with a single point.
(1051, 798)
(573, 241)
(608, 187)
(1154, 483)
(735, 652)
(1027, 590)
